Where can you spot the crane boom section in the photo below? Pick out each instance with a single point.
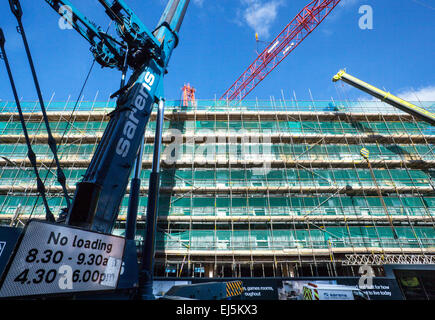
(387, 97)
(293, 34)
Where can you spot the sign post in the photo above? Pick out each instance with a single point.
(56, 259)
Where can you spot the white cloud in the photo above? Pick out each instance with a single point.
(348, 3)
(198, 2)
(411, 95)
(260, 15)
(422, 94)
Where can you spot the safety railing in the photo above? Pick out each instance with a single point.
(222, 105)
(256, 244)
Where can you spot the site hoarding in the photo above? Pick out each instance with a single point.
(296, 289)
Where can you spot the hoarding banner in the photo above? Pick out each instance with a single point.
(294, 289)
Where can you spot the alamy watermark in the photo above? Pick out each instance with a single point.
(366, 279)
(219, 147)
(366, 20)
(65, 21)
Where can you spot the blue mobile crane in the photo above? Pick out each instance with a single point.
(98, 196)
(77, 254)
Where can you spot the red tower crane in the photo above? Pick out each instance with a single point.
(188, 94)
(293, 34)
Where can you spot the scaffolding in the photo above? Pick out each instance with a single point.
(259, 188)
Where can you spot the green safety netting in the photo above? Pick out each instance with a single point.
(261, 236)
(299, 238)
(295, 127)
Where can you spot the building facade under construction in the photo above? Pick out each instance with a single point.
(273, 188)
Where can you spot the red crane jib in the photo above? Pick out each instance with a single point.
(293, 34)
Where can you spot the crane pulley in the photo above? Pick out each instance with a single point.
(108, 51)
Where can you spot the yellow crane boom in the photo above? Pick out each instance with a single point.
(386, 97)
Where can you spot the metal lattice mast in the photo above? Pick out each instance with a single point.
(188, 95)
(293, 34)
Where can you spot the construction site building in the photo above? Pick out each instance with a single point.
(274, 188)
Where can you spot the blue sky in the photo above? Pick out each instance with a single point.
(217, 43)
